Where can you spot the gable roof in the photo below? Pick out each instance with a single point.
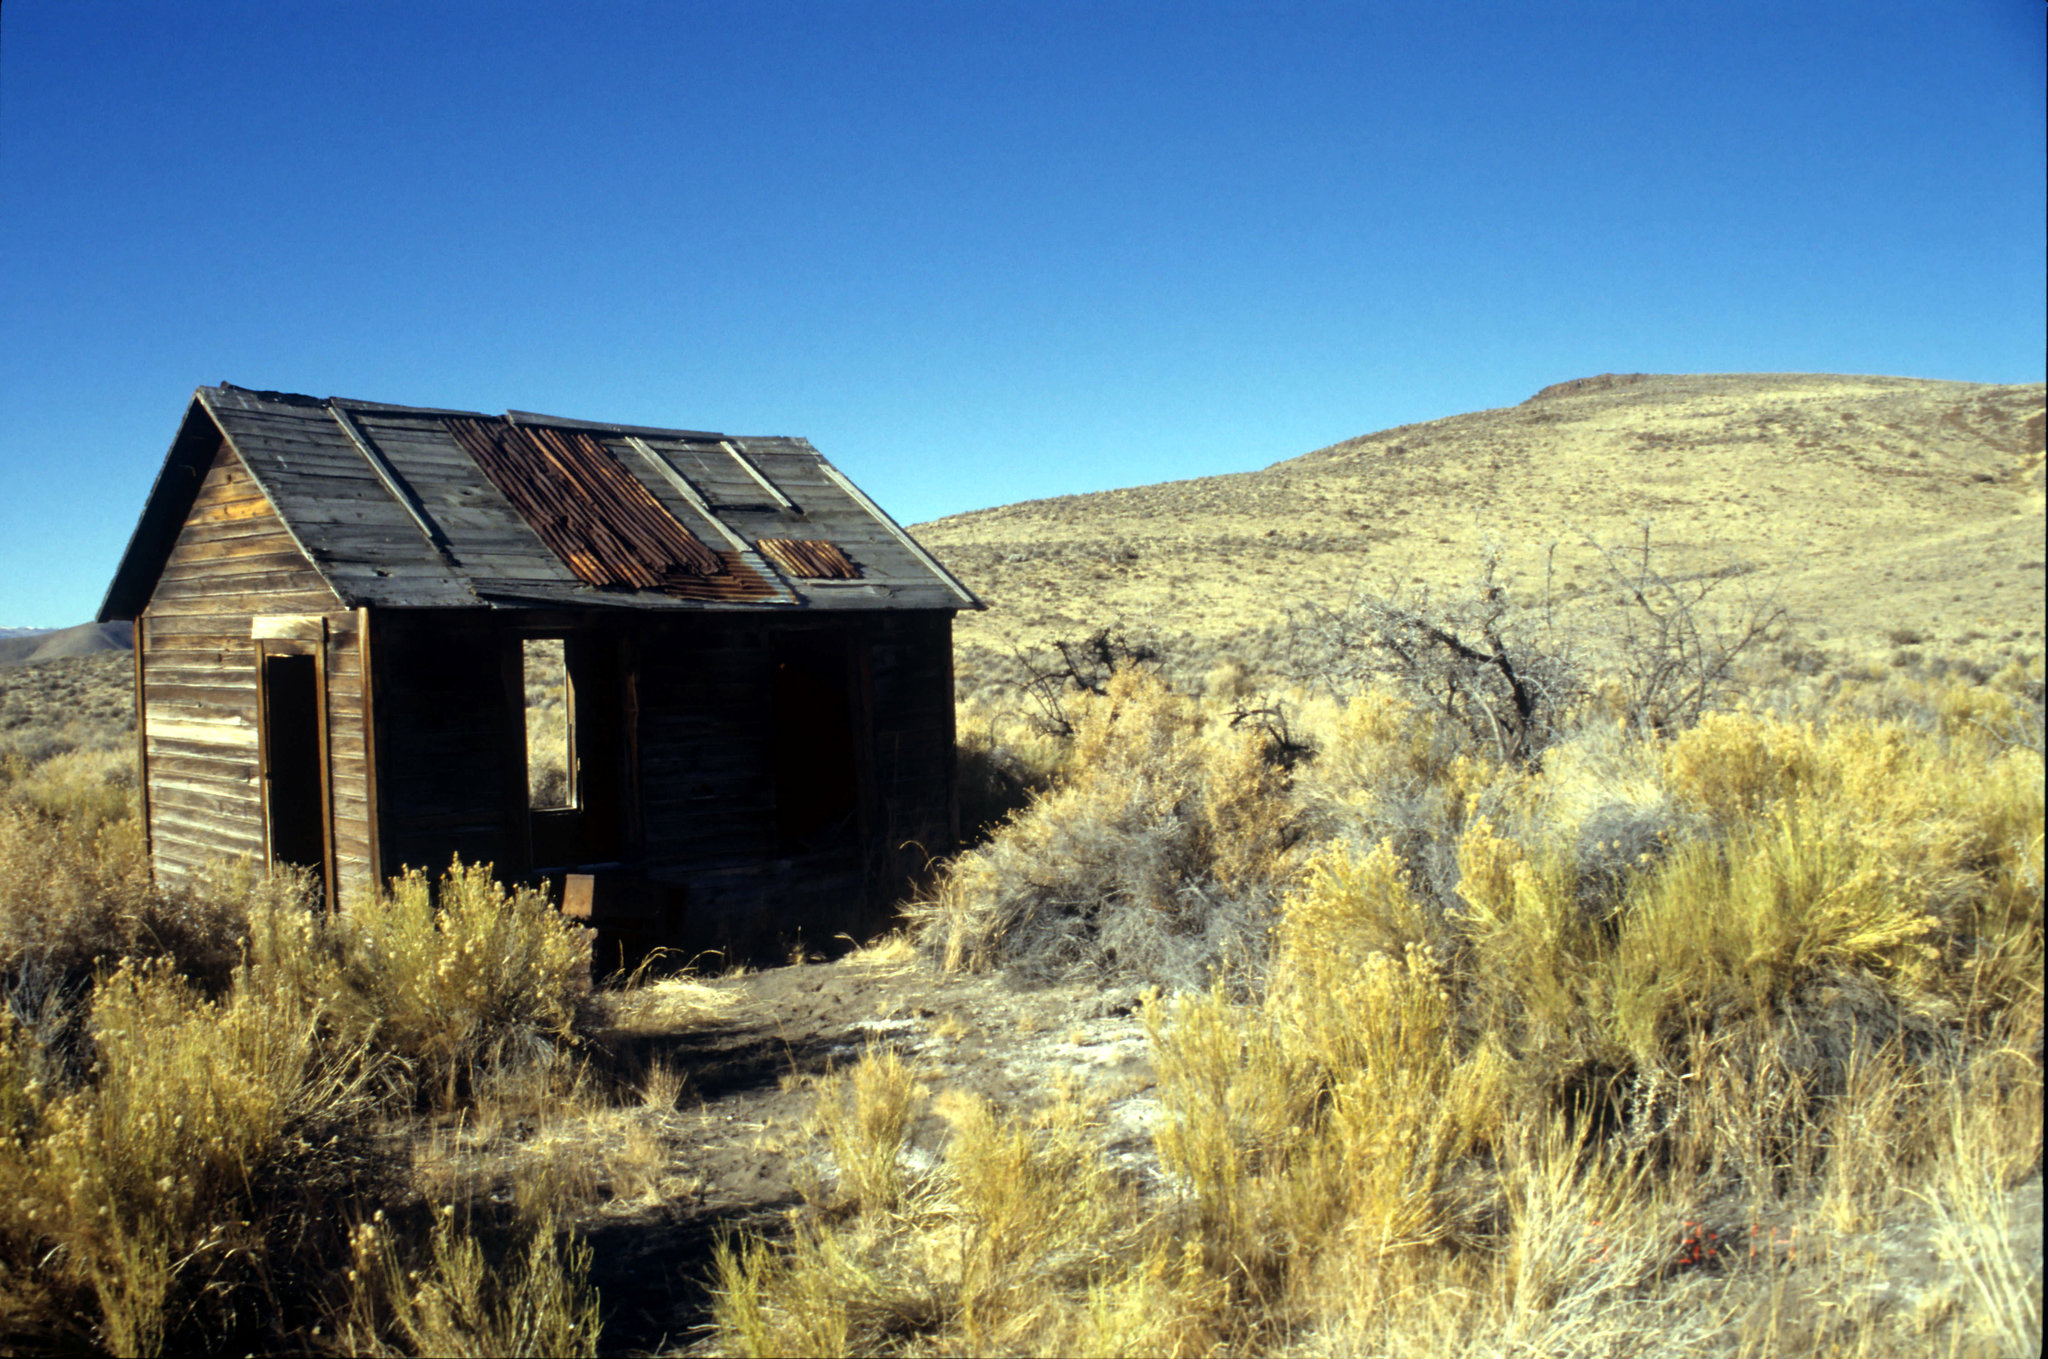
(413, 507)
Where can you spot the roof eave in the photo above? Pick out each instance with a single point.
(163, 515)
(347, 598)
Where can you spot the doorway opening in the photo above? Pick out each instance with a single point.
(293, 802)
(817, 773)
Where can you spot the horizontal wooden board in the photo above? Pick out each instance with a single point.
(259, 576)
(244, 602)
(198, 624)
(285, 569)
(162, 743)
(238, 509)
(208, 654)
(196, 796)
(223, 692)
(224, 731)
(220, 768)
(224, 835)
(236, 674)
(230, 542)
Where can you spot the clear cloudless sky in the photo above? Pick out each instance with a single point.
(978, 251)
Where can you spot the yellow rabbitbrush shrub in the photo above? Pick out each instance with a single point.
(1950, 820)
(1393, 770)
(1529, 939)
(86, 789)
(1539, 1063)
(453, 1299)
(1722, 932)
(1017, 1240)
(461, 979)
(165, 1180)
(138, 1190)
(1327, 1118)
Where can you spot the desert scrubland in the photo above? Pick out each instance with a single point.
(1392, 926)
(1873, 507)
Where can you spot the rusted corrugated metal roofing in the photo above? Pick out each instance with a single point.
(808, 558)
(607, 527)
(406, 507)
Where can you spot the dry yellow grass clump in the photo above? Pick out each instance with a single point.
(1634, 1051)
(1156, 852)
(206, 1097)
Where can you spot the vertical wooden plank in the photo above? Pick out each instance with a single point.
(634, 827)
(139, 641)
(515, 800)
(328, 886)
(263, 756)
(373, 770)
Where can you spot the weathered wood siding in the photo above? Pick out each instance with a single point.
(707, 785)
(233, 562)
(911, 659)
(352, 800)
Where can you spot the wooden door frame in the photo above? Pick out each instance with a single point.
(298, 645)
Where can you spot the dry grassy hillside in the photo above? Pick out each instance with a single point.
(1876, 506)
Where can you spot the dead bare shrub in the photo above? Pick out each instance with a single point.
(1673, 641)
(1053, 675)
(1515, 668)
(1158, 855)
(1504, 671)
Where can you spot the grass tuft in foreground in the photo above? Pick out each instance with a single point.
(180, 1127)
(1621, 1055)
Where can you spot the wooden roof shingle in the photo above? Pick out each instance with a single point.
(390, 505)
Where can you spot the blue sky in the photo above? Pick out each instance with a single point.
(978, 252)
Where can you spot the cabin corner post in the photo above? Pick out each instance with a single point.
(372, 770)
(951, 707)
(329, 860)
(138, 641)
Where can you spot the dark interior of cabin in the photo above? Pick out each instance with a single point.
(292, 761)
(817, 775)
(729, 782)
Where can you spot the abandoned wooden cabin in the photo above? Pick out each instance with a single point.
(342, 611)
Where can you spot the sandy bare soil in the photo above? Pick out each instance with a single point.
(739, 1144)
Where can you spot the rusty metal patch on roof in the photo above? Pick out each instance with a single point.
(809, 558)
(594, 515)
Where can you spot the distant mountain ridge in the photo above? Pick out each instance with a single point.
(20, 646)
(1874, 506)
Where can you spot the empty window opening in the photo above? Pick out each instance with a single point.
(817, 783)
(550, 726)
(291, 761)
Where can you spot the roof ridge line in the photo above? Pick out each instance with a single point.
(564, 422)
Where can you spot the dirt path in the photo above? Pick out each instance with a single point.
(737, 1144)
(739, 1136)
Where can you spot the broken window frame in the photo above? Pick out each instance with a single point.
(572, 797)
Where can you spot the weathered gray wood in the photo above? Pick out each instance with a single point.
(393, 482)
